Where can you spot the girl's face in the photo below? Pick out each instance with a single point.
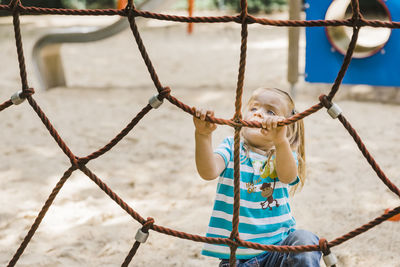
(263, 103)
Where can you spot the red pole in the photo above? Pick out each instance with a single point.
(190, 10)
(122, 4)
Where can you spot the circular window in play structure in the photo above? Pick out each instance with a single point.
(370, 40)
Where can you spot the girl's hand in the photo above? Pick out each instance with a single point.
(202, 126)
(270, 127)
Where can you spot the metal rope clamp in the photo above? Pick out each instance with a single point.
(330, 259)
(141, 236)
(155, 102)
(16, 98)
(334, 111)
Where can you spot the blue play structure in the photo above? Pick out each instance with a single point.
(323, 61)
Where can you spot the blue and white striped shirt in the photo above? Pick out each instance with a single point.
(268, 225)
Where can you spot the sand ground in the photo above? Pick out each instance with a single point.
(153, 168)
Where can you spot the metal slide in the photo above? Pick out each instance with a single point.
(46, 51)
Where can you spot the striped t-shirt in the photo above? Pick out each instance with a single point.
(264, 218)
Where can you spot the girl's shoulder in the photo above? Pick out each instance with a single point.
(230, 141)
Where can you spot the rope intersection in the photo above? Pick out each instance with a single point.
(164, 92)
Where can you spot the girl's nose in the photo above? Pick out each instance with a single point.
(258, 114)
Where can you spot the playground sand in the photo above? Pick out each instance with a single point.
(153, 168)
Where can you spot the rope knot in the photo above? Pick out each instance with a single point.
(325, 101)
(75, 161)
(165, 92)
(333, 109)
(356, 11)
(14, 5)
(329, 258)
(81, 161)
(244, 12)
(323, 244)
(21, 95)
(130, 8)
(157, 100)
(357, 16)
(237, 119)
(27, 93)
(143, 233)
(148, 224)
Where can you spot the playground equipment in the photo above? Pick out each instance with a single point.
(164, 92)
(190, 12)
(370, 41)
(293, 47)
(46, 53)
(376, 52)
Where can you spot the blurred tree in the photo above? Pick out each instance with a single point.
(38, 3)
(76, 4)
(255, 6)
(90, 4)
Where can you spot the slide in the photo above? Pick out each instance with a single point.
(46, 51)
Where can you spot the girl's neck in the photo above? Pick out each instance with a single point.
(262, 151)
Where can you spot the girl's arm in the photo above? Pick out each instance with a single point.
(286, 167)
(209, 165)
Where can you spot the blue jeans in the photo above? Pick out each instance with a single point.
(272, 259)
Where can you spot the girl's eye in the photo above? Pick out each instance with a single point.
(253, 109)
(270, 112)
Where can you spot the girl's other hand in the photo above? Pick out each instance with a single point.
(271, 128)
(202, 126)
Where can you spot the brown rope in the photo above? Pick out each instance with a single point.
(117, 138)
(346, 63)
(27, 93)
(141, 47)
(23, 95)
(236, 196)
(145, 229)
(323, 244)
(368, 156)
(15, 4)
(244, 123)
(357, 21)
(5, 105)
(198, 19)
(242, 62)
(112, 195)
(40, 216)
(325, 101)
(237, 117)
(365, 227)
(62, 181)
(53, 132)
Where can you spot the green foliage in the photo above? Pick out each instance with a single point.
(198, 4)
(90, 4)
(93, 4)
(37, 3)
(255, 6)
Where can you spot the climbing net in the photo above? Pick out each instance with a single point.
(164, 92)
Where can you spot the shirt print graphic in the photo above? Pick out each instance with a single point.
(267, 189)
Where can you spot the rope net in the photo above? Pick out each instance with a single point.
(164, 92)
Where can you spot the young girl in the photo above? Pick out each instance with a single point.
(272, 160)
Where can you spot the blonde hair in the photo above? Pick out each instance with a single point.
(295, 134)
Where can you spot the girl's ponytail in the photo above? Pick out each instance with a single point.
(298, 144)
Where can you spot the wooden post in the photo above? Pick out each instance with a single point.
(190, 10)
(52, 73)
(293, 50)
